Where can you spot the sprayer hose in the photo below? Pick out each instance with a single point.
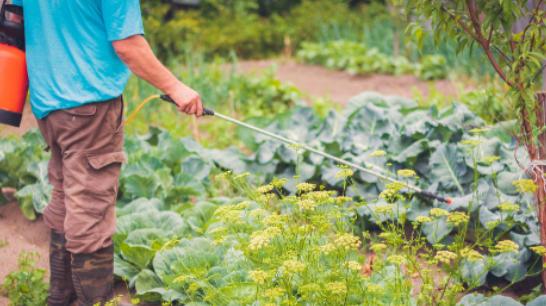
(141, 105)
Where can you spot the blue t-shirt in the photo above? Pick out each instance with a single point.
(70, 57)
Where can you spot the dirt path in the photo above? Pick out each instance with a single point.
(23, 235)
(341, 86)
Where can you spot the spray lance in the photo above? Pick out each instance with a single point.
(13, 67)
(209, 112)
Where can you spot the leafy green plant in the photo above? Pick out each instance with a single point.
(26, 286)
(427, 141)
(23, 166)
(489, 103)
(356, 58)
(465, 262)
(432, 67)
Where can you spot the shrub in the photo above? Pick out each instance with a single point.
(26, 286)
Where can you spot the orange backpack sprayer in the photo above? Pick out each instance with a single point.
(13, 67)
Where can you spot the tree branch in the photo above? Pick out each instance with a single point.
(475, 21)
(460, 23)
(485, 44)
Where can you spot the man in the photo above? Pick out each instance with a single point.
(79, 56)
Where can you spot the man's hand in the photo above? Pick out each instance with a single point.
(187, 100)
(135, 52)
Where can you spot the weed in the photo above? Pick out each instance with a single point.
(26, 286)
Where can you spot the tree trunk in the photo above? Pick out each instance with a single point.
(540, 180)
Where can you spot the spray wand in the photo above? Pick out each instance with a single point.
(209, 112)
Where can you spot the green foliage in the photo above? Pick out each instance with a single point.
(23, 167)
(356, 58)
(427, 141)
(26, 286)
(489, 104)
(221, 89)
(216, 28)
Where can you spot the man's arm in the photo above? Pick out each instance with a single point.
(136, 53)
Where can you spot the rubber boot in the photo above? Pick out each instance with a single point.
(61, 291)
(93, 277)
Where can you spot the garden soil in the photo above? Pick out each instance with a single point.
(340, 86)
(23, 235)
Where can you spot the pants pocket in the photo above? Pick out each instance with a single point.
(102, 181)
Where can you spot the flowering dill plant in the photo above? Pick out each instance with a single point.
(308, 254)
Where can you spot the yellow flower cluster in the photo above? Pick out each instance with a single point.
(265, 198)
(407, 173)
(262, 239)
(509, 206)
(391, 191)
(492, 224)
(490, 159)
(274, 293)
(228, 214)
(265, 189)
(219, 231)
(375, 289)
(540, 250)
(437, 212)
(457, 217)
(353, 265)
(378, 247)
(278, 183)
(471, 255)
(527, 186)
(243, 205)
(321, 197)
(342, 200)
(472, 143)
(290, 267)
(423, 219)
(223, 175)
(336, 288)
(506, 246)
(305, 187)
(344, 173)
(307, 205)
(275, 220)
(309, 289)
(384, 209)
(327, 248)
(396, 259)
(241, 176)
(347, 241)
(257, 213)
(396, 186)
(445, 256)
(272, 232)
(258, 241)
(387, 194)
(378, 153)
(296, 146)
(477, 131)
(259, 277)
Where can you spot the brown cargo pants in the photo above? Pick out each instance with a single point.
(86, 146)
